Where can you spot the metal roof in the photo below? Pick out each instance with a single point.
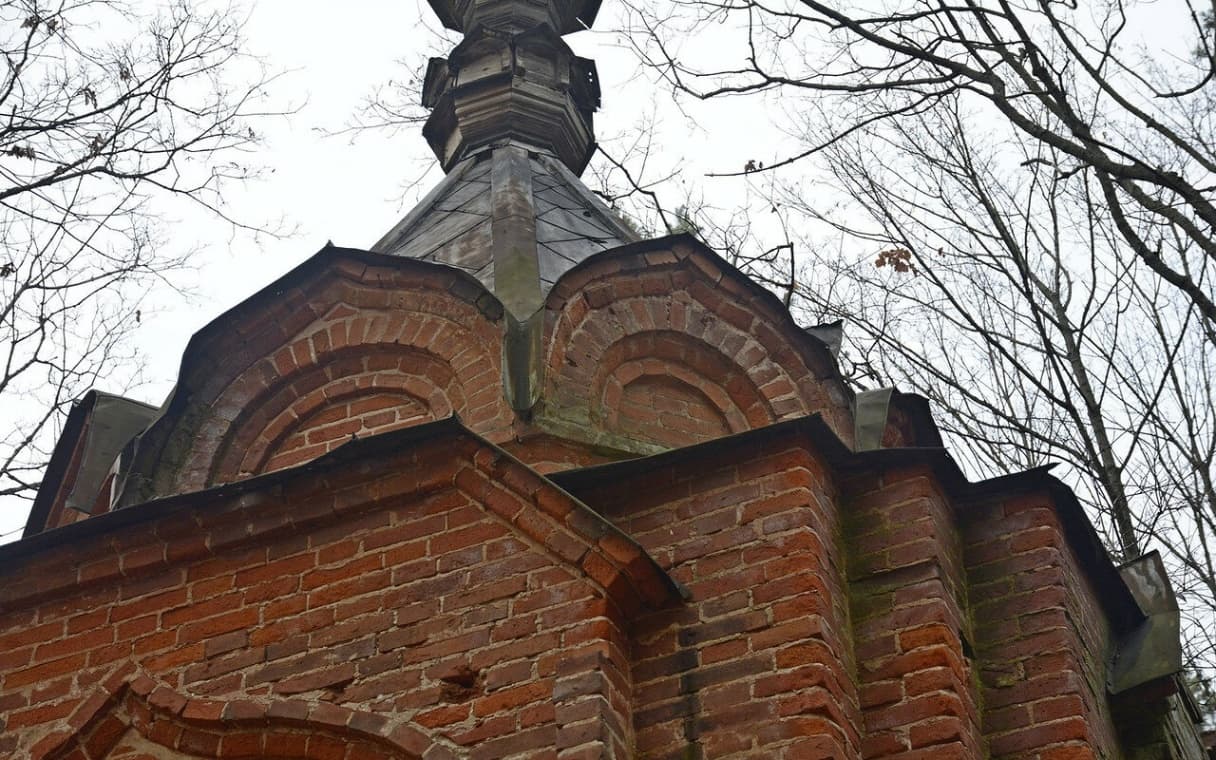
(454, 224)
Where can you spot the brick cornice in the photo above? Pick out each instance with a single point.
(160, 535)
(815, 433)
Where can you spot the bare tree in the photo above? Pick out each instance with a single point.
(1058, 74)
(106, 110)
(1003, 290)
(1018, 204)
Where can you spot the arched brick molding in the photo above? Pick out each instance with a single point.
(672, 315)
(667, 388)
(351, 361)
(341, 299)
(352, 393)
(139, 719)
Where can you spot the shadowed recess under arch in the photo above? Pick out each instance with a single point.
(351, 394)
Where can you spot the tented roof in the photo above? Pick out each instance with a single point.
(454, 224)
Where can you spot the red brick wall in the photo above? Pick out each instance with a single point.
(1041, 636)
(944, 629)
(446, 601)
(339, 421)
(828, 615)
(667, 411)
(908, 595)
(456, 618)
(546, 454)
(758, 662)
(676, 314)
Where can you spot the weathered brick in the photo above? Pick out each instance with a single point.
(835, 606)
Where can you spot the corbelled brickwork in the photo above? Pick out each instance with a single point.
(909, 602)
(461, 602)
(759, 661)
(378, 579)
(1040, 631)
(516, 486)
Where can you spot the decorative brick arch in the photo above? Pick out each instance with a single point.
(671, 313)
(352, 393)
(667, 387)
(348, 357)
(274, 341)
(139, 719)
(360, 364)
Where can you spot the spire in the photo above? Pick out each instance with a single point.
(511, 125)
(563, 16)
(513, 79)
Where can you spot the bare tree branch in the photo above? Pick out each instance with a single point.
(103, 111)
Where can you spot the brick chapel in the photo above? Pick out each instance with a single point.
(514, 484)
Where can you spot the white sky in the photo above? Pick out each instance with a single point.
(352, 191)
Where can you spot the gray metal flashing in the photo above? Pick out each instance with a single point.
(490, 203)
(517, 274)
(831, 334)
(523, 365)
(870, 412)
(114, 421)
(513, 233)
(1152, 650)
